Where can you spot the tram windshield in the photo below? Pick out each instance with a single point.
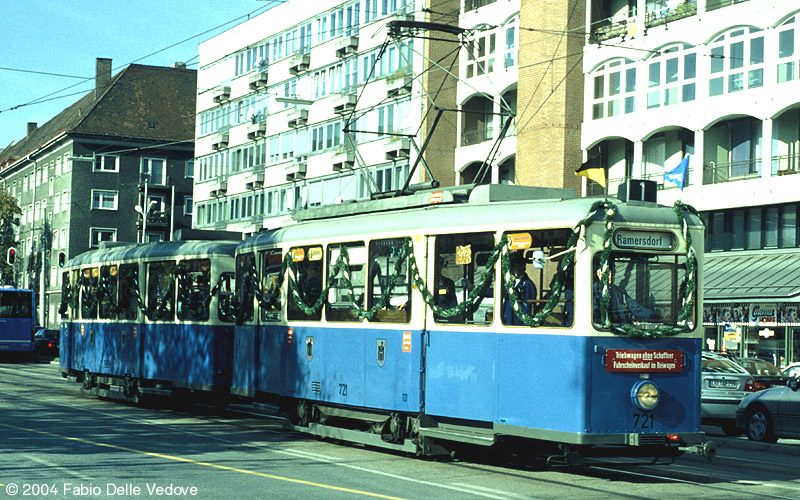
(643, 288)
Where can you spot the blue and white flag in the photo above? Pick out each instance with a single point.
(677, 175)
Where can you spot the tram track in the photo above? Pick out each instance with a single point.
(526, 469)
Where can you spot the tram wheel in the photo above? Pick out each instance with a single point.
(129, 387)
(88, 380)
(301, 414)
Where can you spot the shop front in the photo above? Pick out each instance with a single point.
(769, 331)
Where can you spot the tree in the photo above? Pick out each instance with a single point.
(9, 219)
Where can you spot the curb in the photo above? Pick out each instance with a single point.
(790, 447)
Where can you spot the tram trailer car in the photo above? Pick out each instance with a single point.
(17, 320)
(149, 318)
(383, 365)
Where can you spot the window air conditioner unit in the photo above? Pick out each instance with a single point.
(346, 46)
(221, 190)
(220, 141)
(222, 94)
(297, 117)
(258, 80)
(296, 171)
(398, 149)
(299, 63)
(399, 85)
(343, 160)
(344, 104)
(256, 130)
(256, 182)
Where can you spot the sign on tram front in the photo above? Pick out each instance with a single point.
(632, 360)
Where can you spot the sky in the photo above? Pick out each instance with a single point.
(62, 38)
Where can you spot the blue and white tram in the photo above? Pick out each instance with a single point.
(145, 318)
(414, 327)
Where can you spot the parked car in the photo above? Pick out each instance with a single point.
(46, 341)
(764, 373)
(771, 414)
(724, 385)
(792, 370)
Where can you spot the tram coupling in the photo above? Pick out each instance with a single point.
(708, 449)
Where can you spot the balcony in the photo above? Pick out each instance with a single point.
(398, 148)
(343, 160)
(719, 173)
(296, 170)
(666, 15)
(299, 62)
(346, 46)
(220, 141)
(256, 130)
(258, 80)
(222, 94)
(476, 4)
(344, 104)
(297, 117)
(609, 28)
(786, 165)
(476, 136)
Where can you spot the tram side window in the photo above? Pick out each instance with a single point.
(65, 288)
(460, 264)
(161, 290)
(128, 282)
(270, 301)
(383, 257)
(245, 286)
(308, 277)
(226, 302)
(341, 303)
(194, 286)
(534, 271)
(107, 292)
(89, 293)
(76, 282)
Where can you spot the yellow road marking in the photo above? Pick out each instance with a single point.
(204, 464)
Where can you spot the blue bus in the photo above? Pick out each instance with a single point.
(17, 320)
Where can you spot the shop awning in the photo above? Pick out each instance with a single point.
(768, 275)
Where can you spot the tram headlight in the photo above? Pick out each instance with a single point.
(645, 395)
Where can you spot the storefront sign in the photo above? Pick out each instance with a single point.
(764, 314)
(630, 360)
(644, 240)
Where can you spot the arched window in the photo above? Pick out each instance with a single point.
(614, 88)
(671, 76)
(737, 61)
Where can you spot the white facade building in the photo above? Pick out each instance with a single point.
(273, 101)
(718, 80)
(487, 92)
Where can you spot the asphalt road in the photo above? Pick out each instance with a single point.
(55, 443)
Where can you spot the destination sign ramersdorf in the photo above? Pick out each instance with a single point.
(644, 240)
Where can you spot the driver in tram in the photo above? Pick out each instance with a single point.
(622, 308)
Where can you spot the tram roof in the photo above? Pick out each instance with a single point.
(159, 250)
(481, 211)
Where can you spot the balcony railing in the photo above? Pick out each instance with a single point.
(609, 28)
(477, 136)
(475, 4)
(667, 15)
(786, 164)
(718, 4)
(718, 173)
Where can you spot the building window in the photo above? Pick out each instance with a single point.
(614, 88)
(786, 52)
(104, 163)
(189, 169)
(104, 200)
(480, 55)
(671, 76)
(510, 52)
(155, 168)
(737, 61)
(98, 234)
(188, 206)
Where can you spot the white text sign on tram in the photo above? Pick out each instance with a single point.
(633, 360)
(644, 240)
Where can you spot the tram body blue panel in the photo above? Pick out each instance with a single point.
(343, 368)
(245, 360)
(678, 409)
(187, 353)
(543, 381)
(461, 374)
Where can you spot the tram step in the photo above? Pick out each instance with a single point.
(458, 435)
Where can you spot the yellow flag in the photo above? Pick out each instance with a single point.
(593, 170)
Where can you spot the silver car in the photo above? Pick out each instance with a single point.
(724, 385)
(767, 415)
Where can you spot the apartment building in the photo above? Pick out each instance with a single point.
(328, 105)
(717, 80)
(117, 165)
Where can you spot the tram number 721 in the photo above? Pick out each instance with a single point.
(643, 420)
